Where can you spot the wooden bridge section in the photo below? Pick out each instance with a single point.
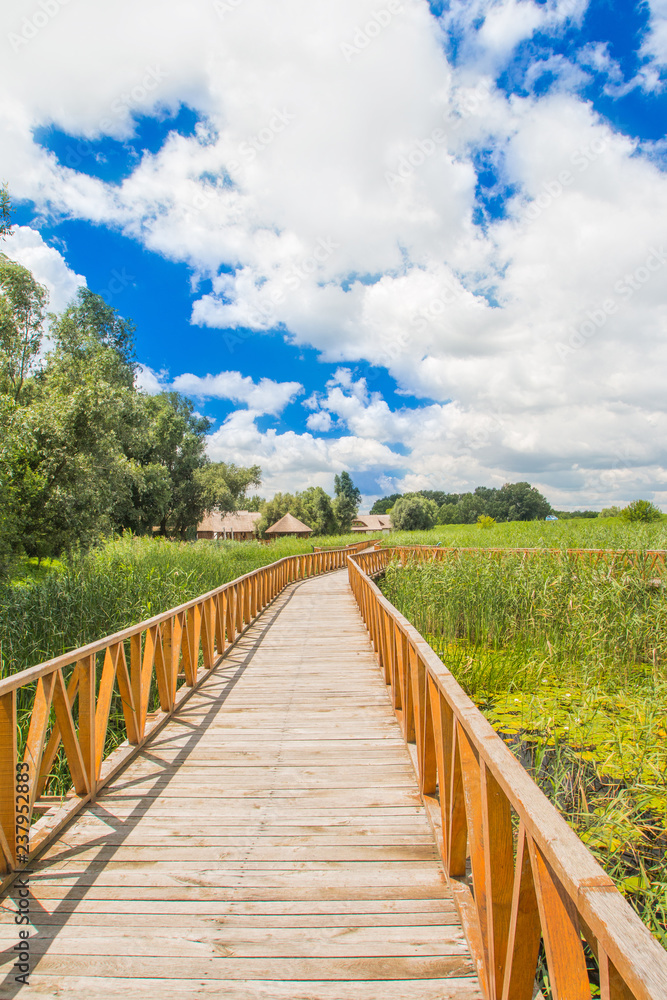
(313, 811)
(269, 842)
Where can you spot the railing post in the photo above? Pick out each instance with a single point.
(8, 783)
(247, 615)
(220, 622)
(238, 605)
(523, 944)
(87, 684)
(499, 861)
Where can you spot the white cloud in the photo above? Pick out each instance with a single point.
(47, 264)
(319, 421)
(655, 43)
(282, 199)
(292, 461)
(264, 396)
(149, 381)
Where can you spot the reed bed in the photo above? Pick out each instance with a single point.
(117, 585)
(603, 533)
(569, 663)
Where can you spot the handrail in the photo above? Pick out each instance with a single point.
(164, 650)
(351, 548)
(651, 558)
(533, 878)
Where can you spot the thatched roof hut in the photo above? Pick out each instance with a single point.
(240, 526)
(289, 525)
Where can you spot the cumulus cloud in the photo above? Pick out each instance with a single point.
(263, 397)
(330, 197)
(655, 42)
(292, 461)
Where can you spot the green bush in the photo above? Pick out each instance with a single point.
(641, 510)
(484, 521)
(414, 514)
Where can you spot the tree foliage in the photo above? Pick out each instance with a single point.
(313, 506)
(512, 502)
(5, 211)
(414, 513)
(82, 451)
(346, 502)
(641, 510)
(22, 311)
(384, 504)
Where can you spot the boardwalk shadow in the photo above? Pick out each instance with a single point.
(229, 670)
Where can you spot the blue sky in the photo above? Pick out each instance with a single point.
(423, 243)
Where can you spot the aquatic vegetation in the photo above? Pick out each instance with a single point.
(568, 661)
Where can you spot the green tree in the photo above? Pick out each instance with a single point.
(450, 513)
(173, 436)
(224, 485)
(317, 511)
(346, 503)
(384, 504)
(89, 319)
(5, 211)
(641, 510)
(82, 418)
(523, 502)
(607, 512)
(22, 311)
(414, 513)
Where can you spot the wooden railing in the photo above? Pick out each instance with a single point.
(350, 549)
(533, 880)
(68, 699)
(647, 559)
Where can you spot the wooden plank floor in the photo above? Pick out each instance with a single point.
(268, 843)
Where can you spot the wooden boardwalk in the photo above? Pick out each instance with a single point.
(269, 842)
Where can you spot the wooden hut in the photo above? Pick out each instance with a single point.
(239, 526)
(364, 523)
(289, 525)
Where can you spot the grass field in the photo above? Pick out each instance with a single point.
(569, 663)
(604, 532)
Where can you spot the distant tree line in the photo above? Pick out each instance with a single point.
(82, 451)
(511, 502)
